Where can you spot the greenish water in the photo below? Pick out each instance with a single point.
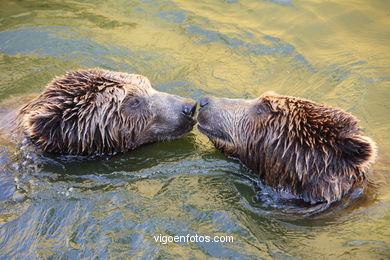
(333, 52)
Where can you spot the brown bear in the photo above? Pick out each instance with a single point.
(313, 151)
(101, 112)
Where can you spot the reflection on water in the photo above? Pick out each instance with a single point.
(70, 207)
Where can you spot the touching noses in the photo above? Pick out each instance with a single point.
(189, 109)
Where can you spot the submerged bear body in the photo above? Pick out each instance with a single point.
(98, 111)
(313, 151)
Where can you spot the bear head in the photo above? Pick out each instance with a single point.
(99, 111)
(313, 151)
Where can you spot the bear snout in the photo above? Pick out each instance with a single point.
(204, 101)
(189, 108)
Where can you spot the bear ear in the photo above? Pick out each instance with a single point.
(44, 128)
(263, 106)
(359, 150)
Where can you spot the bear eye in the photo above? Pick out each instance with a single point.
(134, 102)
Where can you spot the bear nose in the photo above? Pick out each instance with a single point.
(204, 101)
(189, 109)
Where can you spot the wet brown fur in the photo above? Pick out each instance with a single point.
(83, 112)
(314, 151)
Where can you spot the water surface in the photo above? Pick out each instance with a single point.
(333, 52)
